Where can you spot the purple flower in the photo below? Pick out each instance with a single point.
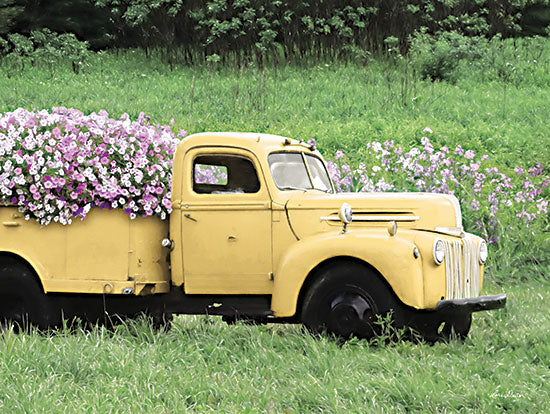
(488, 195)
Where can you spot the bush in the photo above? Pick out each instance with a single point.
(440, 57)
(43, 47)
(451, 56)
(18, 50)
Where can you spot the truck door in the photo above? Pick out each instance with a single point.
(226, 223)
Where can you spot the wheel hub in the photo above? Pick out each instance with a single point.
(351, 314)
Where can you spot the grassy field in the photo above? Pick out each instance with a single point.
(344, 107)
(204, 365)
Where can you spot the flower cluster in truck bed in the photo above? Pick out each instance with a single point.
(56, 165)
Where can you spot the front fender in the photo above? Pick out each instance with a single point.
(391, 256)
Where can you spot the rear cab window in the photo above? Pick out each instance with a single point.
(224, 174)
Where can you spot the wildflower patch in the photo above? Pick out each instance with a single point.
(493, 202)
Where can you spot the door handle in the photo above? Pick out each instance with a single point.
(232, 238)
(11, 224)
(188, 216)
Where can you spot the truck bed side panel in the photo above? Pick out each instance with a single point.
(105, 253)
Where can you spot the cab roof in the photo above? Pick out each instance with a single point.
(255, 142)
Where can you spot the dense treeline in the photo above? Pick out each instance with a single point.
(246, 30)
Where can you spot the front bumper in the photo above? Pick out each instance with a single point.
(470, 305)
(453, 313)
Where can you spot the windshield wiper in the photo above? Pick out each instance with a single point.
(289, 187)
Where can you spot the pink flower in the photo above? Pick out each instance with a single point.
(73, 165)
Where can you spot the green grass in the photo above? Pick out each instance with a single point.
(204, 365)
(343, 106)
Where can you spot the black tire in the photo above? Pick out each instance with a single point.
(458, 327)
(347, 299)
(162, 322)
(22, 300)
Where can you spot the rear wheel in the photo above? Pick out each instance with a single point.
(22, 300)
(162, 322)
(347, 299)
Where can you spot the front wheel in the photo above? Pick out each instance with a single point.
(458, 326)
(347, 299)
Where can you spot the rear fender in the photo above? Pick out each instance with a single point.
(38, 270)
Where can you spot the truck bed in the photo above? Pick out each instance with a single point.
(106, 253)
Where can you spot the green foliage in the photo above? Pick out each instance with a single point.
(535, 19)
(254, 30)
(450, 56)
(4, 47)
(80, 17)
(20, 51)
(151, 23)
(244, 31)
(42, 47)
(440, 57)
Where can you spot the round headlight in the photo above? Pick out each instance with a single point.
(439, 251)
(346, 213)
(483, 252)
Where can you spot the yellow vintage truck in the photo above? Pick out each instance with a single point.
(266, 237)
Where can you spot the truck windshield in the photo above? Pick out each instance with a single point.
(298, 171)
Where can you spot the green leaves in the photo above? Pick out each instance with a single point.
(244, 31)
(43, 47)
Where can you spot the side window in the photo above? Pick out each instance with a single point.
(224, 174)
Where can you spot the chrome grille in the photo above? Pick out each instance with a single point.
(462, 268)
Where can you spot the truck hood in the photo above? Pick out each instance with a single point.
(312, 212)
